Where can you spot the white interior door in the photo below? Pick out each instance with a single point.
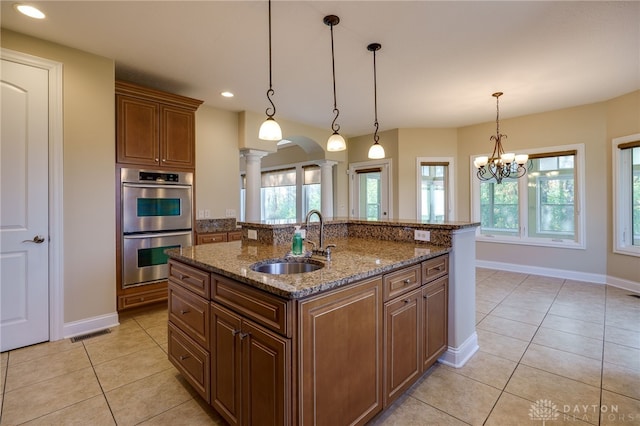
(370, 191)
(24, 211)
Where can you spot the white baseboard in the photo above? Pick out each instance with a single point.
(624, 284)
(562, 273)
(546, 272)
(458, 357)
(90, 325)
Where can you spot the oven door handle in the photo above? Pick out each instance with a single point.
(156, 235)
(155, 186)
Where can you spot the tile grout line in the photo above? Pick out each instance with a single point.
(502, 391)
(104, 395)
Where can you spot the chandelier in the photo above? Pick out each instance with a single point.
(500, 165)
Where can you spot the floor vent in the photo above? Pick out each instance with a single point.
(637, 296)
(89, 335)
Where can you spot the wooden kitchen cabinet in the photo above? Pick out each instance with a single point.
(154, 128)
(340, 341)
(402, 338)
(218, 237)
(250, 371)
(435, 312)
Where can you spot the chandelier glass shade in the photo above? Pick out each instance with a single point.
(270, 129)
(500, 165)
(335, 142)
(376, 151)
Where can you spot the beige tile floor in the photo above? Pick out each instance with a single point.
(544, 342)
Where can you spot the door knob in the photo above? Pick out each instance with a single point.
(37, 239)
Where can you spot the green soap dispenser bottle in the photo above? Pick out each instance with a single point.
(296, 244)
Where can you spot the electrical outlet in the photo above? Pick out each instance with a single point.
(200, 214)
(252, 234)
(421, 235)
(231, 213)
(207, 213)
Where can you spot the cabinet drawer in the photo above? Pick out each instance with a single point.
(142, 298)
(190, 278)
(234, 236)
(191, 360)
(435, 268)
(399, 282)
(190, 313)
(219, 237)
(264, 308)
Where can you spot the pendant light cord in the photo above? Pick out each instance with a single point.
(270, 92)
(335, 127)
(376, 138)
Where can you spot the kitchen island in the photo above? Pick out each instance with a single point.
(333, 346)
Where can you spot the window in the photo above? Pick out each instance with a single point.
(311, 195)
(542, 208)
(278, 194)
(435, 177)
(626, 194)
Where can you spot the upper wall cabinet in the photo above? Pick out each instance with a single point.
(154, 128)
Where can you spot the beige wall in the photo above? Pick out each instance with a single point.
(581, 125)
(414, 143)
(623, 118)
(217, 182)
(89, 175)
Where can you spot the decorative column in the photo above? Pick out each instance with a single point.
(253, 183)
(326, 188)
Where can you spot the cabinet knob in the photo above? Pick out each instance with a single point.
(243, 335)
(157, 160)
(406, 301)
(183, 357)
(182, 311)
(407, 281)
(234, 332)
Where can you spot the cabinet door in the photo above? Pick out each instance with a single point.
(341, 355)
(435, 297)
(137, 131)
(177, 138)
(403, 341)
(225, 363)
(266, 377)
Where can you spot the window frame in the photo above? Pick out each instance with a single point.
(522, 236)
(450, 214)
(622, 214)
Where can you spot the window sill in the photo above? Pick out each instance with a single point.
(565, 244)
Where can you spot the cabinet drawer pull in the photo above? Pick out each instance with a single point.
(407, 281)
(183, 357)
(182, 311)
(406, 301)
(234, 332)
(243, 335)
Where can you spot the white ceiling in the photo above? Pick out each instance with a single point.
(438, 66)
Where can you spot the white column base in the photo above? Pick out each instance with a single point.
(458, 357)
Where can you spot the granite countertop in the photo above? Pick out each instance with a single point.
(353, 259)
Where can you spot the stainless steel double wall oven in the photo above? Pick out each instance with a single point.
(156, 215)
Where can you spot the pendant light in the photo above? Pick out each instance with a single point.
(335, 142)
(270, 129)
(376, 151)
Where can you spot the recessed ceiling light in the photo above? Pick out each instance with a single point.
(30, 11)
(227, 94)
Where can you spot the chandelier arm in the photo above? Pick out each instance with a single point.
(335, 127)
(376, 138)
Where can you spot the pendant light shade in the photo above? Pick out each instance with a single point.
(270, 129)
(335, 142)
(376, 151)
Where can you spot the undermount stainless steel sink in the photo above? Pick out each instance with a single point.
(287, 266)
